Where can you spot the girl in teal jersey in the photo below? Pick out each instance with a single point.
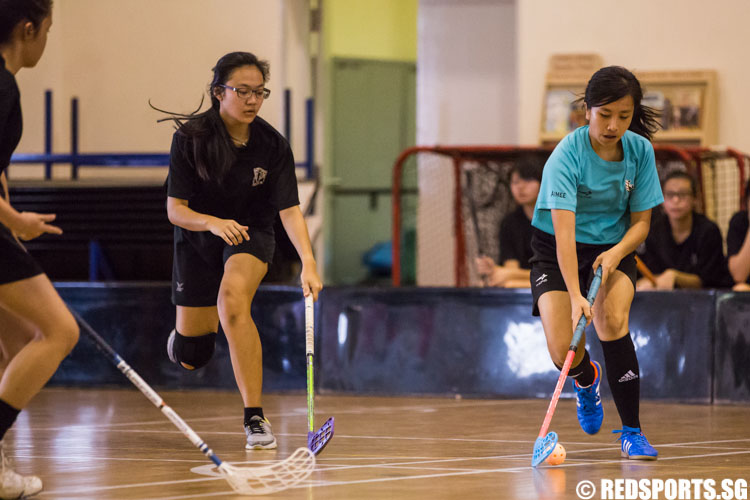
(594, 209)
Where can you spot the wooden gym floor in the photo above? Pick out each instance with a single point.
(113, 444)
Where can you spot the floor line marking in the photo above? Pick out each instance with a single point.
(400, 478)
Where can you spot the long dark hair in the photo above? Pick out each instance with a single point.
(615, 82)
(212, 148)
(13, 12)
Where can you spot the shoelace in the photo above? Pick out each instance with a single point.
(635, 436)
(588, 401)
(256, 427)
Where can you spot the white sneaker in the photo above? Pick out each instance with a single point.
(14, 485)
(259, 434)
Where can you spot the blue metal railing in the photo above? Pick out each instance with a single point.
(48, 132)
(77, 159)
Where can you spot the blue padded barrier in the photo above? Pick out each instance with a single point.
(693, 346)
(484, 342)
(732, 358)
(137, 318)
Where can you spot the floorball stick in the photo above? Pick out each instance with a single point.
(245, 480)
(545, 443)
(316, 441)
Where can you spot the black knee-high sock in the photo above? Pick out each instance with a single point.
(583, 372)
(624, 378)
(8, 415)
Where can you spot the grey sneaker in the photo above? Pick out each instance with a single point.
(259, 434)
(14, 485)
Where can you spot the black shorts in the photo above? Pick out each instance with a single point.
(15, 262)
(199, 258)
(545, 271)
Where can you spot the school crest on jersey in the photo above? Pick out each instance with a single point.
(259, 176)
(629, 186)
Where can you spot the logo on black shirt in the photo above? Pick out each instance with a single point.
(259, 176)
(558, 194)
(629, 186)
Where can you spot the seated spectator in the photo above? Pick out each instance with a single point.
(515, 231)
(738, 246)
(684, 249)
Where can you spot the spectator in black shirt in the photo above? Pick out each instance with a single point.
(37, 330)
(230, 174)
(684, 249)
(515, 231)
(738, 246)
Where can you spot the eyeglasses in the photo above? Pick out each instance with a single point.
(245, 93)
(679, 195)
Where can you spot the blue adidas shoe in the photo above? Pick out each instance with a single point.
(590, 410)
(635, 446)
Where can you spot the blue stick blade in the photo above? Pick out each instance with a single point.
(316, 441)
(543, 448)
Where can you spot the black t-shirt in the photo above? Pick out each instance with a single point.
(700, 254)
(738, 226)
(261, 182)
(515, 238)
(11, 124)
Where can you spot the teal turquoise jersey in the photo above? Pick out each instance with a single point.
(601, 193)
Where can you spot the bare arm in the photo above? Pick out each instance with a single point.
(296, 229)
(640, 222)
(25, 225)
(564, 223)
(510, 275)
(4, 182)
(678, 279)
(180, 214)
(739, 263)
(8, 214)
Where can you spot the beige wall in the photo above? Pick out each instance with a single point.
(640, 35)
(466, 75)
(116, 55)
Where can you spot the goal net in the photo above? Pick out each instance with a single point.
(448, 203)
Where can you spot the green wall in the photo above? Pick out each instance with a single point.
(371, 29)
(370, 49)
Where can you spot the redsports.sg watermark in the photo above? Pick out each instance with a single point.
(666, 489)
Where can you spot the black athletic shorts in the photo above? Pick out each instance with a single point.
(545, 271)
(199, 258)
(15, 262)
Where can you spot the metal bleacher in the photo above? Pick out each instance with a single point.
(109, 232)
(113, 232)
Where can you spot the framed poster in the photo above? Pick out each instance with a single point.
(686, 101)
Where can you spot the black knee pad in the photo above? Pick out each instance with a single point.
(193, 351)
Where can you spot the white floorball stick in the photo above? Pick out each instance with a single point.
(258, 480)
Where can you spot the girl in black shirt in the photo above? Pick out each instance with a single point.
(738, 246)
(230, 173)
(36, 329)
(683, 249)
(515, 231)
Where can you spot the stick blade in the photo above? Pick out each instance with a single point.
(316, 441)
(265, 480)
(543, 448)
